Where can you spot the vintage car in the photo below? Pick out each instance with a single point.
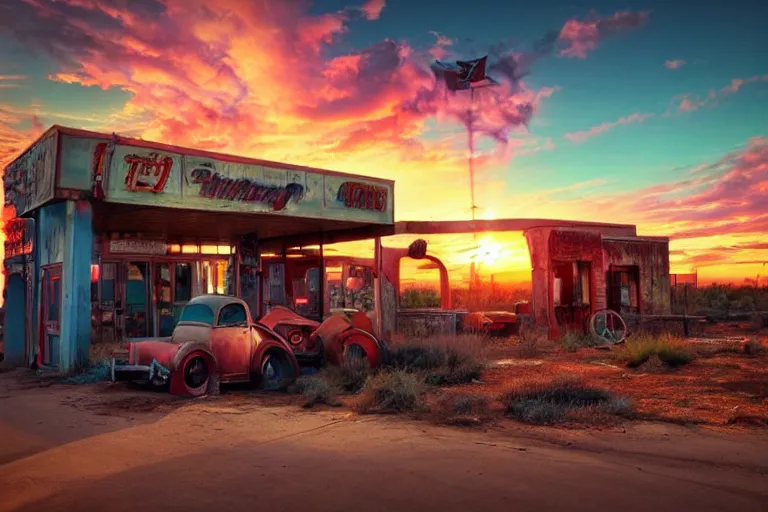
(342, 337)
(215, 341)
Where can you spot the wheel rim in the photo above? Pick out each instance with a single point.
(608, 326)
(355, 356)
(196, 372)
(272, 372)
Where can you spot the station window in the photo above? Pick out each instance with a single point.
(183, 282)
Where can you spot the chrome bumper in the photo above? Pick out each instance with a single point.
(154, 373)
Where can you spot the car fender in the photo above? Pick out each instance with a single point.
(267, 345)
(187, 348)
(366, 341)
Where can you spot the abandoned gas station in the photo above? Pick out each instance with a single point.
(113, 236)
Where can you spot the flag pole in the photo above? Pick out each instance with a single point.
(471, 141)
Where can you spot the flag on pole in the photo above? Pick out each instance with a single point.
(463, 75)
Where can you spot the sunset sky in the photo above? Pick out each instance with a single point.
(651, 113)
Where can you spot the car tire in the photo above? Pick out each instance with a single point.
(196, 373)
(277, 372)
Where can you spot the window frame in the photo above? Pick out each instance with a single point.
(244, 323)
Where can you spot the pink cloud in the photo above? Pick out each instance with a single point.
(581, 136)
(253, 78)
(582, 36)
(372, 9)
(689, 102)
(674, 64)
(438, 51)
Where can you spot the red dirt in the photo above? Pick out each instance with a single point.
(720, 388)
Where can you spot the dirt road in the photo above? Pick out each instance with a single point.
(94, 447)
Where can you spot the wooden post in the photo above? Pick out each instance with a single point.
(686, 329)
(377, 301)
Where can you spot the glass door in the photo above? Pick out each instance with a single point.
(137, 312)
(51, 313)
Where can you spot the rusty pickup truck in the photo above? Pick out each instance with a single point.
(216, 341)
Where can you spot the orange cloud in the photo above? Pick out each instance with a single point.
(604, 127)
(582, 36)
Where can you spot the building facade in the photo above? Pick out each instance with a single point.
(113, 235)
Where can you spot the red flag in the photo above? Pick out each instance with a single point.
(463, 75)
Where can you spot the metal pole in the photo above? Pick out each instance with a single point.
(470, 129)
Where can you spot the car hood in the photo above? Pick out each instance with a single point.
(144, 352)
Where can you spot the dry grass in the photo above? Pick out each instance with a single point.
(530, 340)
(561, 399)
(443, 360)
(574, 340)
(753, 347)
(102, 353)
(457, 409)
(672, 351)
(346, 378)
(390, 392)
(315, 390)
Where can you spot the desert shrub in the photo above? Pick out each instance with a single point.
(90, 373)
(346, 378)
(391, 391)
(441, 360)
(574, 340)
(560, 399)
(417, 357)
(670, 350)
(316, 390)
(530, 339)
(753, 346)
(463, 409)
(458, 368)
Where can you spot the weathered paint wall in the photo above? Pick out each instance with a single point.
(76, 287)
(76, 162)
(136, 175)
(51, 230)
(652, 259)
(50, 234)
(538, 247)
(29, 180)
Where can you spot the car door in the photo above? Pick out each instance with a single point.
(230, 343)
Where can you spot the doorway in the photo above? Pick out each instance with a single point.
(14, 330)
(136, 315)
(50, 335)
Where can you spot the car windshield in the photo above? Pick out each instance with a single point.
(197, 313)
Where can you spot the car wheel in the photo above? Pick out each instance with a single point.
(196, 373)
(355, 356)
(277, 372)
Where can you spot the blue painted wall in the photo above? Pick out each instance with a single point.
(52, 226)
(15, 320)
(76, 291)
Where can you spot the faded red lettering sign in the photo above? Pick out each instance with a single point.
(142, 167)
(363, 196)
(215, 186)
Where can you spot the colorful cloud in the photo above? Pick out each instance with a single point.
(580, 37)
(674, 64)
(605, 127)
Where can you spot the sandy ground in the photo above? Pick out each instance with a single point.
(103, 447)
